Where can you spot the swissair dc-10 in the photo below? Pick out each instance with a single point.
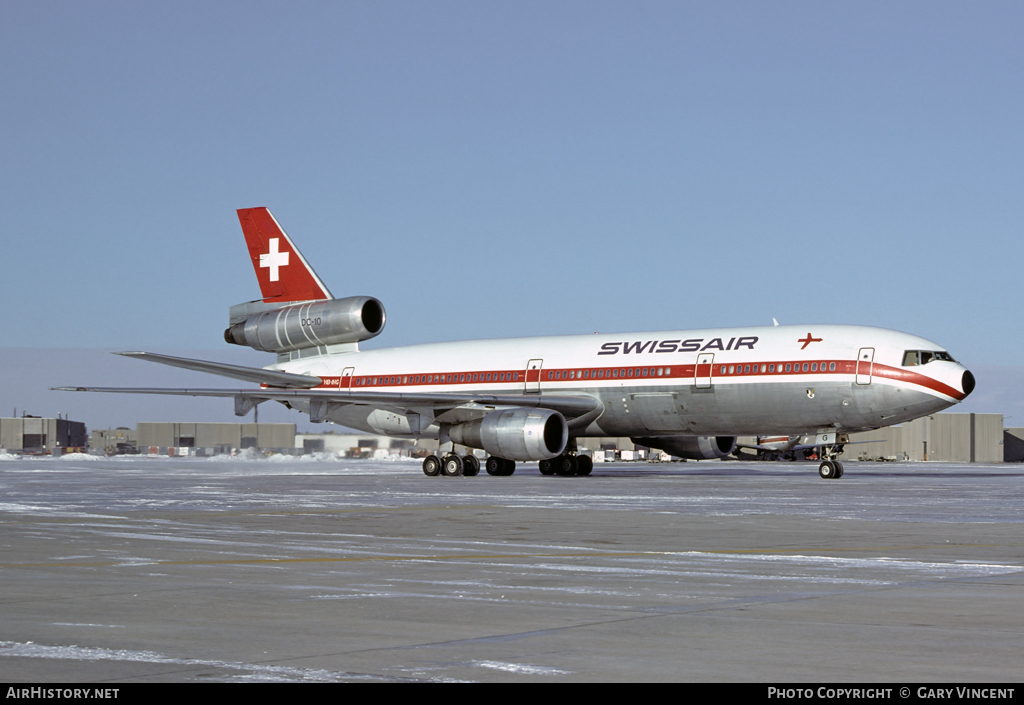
(689, 393)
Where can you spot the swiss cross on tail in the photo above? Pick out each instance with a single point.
(282, 271)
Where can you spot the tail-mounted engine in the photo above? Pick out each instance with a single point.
(273, 328)
(692, 447)
(515, 434)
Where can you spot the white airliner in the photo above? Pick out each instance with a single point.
(688, 393)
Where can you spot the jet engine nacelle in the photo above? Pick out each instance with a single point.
(692, 447)
(515, 434)
(306, 325)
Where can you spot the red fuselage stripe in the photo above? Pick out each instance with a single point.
(603, 375)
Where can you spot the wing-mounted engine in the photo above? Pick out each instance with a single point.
(692, 447)
(274, 328)
(515, 434)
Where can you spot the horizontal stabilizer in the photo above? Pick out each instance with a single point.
(247, 374)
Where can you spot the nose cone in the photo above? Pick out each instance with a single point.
(967, 382)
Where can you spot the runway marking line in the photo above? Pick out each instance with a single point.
(191, 514)
(496, 556)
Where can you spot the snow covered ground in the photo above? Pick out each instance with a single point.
(312, 569)
(943, 492)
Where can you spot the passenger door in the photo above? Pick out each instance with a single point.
(533, 370)
(702, 371)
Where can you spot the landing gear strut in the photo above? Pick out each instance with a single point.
(451, 464)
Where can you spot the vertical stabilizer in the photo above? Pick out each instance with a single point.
(282, 271)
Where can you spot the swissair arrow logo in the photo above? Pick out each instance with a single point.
(806, 341)
(274, 260)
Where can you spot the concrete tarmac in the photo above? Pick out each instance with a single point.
(231, 570)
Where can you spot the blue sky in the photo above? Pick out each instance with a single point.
(523, 168)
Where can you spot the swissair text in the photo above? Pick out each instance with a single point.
(672, 346)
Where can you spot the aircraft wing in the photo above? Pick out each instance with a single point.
(578, 410)
(802, 446)
(296, 390)
(805, 446)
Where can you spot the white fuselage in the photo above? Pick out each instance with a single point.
(737, 381)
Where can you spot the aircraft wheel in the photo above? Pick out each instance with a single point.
(839, 469)
(451, 465)
(431, 466)
(547, 467)
(565, 465)
(510, 467)
(827, 470)
(584, 465)
(470, 465)
(495, 465)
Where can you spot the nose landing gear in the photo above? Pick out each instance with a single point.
(830, 470)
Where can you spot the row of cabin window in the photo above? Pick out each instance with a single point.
(585, 374)
(438, 379)
(790, 367)
(607, 374)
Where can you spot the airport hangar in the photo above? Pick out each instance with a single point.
(942, 437)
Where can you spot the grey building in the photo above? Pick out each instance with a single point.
(962, 438)
(30, 433)
(213, 435)
(1013, 445)
(958, 438)
(943, 437)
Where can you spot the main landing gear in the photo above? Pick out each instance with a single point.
(500, 467)
(567, 465)
(451, 465)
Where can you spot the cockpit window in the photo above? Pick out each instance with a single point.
(923, 357)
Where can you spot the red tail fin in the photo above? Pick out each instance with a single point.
(283, 273)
